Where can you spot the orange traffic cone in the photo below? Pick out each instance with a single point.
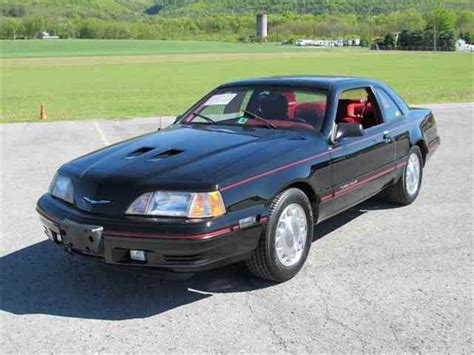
(42, 112)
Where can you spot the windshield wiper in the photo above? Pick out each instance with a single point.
(208, 119)
(257, 117)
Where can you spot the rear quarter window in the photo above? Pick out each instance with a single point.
(389, 106)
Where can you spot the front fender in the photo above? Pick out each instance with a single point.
(260, 189)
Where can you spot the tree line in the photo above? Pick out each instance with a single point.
(439, 33)
(239, 27)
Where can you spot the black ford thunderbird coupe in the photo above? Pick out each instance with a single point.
(245, 174)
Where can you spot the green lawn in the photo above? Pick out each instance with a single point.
(81, 47)
(166, 85)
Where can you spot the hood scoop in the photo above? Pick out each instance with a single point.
(138, 152)
(166, 154)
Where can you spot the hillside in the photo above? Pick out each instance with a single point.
(229, 20)
(128, 9)
(314, 7)
(101, 9)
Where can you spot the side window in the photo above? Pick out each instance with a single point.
(390, 108)
(358, 106)
(354, 94)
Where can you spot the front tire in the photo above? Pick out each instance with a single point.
(408, 187)
(286, 240)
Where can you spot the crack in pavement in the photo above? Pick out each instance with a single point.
(269, 325)
(323, 297)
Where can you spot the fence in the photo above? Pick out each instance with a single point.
(414, 48)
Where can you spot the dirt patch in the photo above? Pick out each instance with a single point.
(167, 58)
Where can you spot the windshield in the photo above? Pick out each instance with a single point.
(272, 107)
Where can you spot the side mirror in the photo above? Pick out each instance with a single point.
(345, 130)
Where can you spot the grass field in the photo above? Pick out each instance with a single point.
(67, 48)
(119, 86)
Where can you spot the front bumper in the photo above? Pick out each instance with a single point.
(168, 244)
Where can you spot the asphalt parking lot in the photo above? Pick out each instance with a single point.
(379, 278)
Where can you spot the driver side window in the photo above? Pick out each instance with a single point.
(358, 106)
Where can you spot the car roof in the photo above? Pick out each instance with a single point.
(313, 81)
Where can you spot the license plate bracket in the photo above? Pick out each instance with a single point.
(84, 238)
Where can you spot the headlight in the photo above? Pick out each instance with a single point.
(61, 187)
(178, 204)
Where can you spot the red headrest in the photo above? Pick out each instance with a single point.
(355, 109)
(290, 96)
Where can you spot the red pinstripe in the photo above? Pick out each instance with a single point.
(399, 165)
(172, 236)
(362, 182)
(273, 171)
(298, 162)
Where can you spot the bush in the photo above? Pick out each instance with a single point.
(447, 41)
(389, 41)
(365, 41)
(466, 36)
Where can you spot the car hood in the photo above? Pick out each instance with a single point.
(180, 158)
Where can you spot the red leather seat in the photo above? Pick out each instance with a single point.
(291, 98)
(311, 112)
(350, 111)
(355, 109)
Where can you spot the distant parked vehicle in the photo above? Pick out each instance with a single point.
(244, 174)
(463, 46)
(328, 43)
(45, 35)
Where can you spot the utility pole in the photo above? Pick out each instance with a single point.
(434, 38)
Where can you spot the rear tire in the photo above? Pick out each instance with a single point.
(286, 240)
(406, 190)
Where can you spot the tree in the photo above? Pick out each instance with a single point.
(404, 39)
(447, 41)
(440, 20)
(465, 20)
(412, 21)
(90, 29)
(15, 10)
(366, 41)
(11, 28)
(411, 40)
(33, 25)
(466, 36)
(232, 20)
(389, 41)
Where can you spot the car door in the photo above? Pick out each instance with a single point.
(361, 166)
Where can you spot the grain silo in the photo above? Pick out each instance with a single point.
(262, 25)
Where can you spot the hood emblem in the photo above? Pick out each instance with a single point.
(95, 202)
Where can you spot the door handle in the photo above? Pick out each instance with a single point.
(386, 137)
